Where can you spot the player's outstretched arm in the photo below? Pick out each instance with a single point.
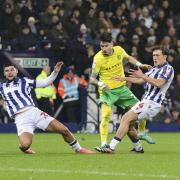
(135, 62)
(139, 74)
(47, 81)
(58, 66)
(129, 79)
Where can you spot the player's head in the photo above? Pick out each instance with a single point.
(106, 43)
(10, 71)
(159, 55)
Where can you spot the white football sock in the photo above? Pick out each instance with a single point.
(103, 143)
(114, 143)
(75, 145)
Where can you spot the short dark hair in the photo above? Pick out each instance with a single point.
(8, 64)
(162, 49)
(106, 37)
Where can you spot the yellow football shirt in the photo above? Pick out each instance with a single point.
(108, 66)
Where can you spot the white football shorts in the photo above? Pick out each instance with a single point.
(31, 119)
(146, 109)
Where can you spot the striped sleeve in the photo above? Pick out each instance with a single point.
(30, 82)
(167, 73)
(1, 88)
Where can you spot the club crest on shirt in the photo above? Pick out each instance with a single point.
(11, 87)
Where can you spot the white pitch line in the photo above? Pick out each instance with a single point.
(162, 176)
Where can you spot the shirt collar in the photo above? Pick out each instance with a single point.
(162, 65)
(15, 80)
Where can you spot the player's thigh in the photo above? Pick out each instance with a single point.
(48, 123)
(129, 117)
(146, 109)
(42, 119)
(25, 128)
(56, 126)
(24, 123)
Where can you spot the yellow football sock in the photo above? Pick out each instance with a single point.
(142, 126)
(104, 125)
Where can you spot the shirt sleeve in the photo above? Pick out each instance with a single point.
(96, 66)
(123, 52)
(167, 73)
(47, 81)
(30, 82)
(126, 56)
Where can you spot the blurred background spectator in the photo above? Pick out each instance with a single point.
(68, 90)
(46, 96)
(70, 30)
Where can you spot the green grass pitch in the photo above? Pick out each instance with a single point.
(54, 159)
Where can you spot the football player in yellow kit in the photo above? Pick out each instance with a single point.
(108, 62)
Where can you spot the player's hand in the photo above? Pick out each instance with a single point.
(145, 67)
(118, 78)
(58, 66)
(136, 73)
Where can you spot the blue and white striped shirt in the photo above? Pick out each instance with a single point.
(154, 93)
(17, 94)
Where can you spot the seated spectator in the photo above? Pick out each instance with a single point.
(25, 36)
(32, 25)
(15, 27)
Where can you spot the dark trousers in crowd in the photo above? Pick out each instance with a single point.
(71, 111)
(45, 105)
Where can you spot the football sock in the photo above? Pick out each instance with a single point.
(142, 126)
(137, 145)
(114, 142)
(104, 126)
(75, 145)
(103, 143)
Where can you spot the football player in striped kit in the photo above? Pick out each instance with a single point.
(16, 92)
(156, 81)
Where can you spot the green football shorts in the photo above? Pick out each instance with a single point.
(121, 97)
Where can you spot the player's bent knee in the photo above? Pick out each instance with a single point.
(127, 120)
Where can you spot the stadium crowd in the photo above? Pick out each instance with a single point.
(70, 30)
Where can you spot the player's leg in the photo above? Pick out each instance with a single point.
(56, 126)
(123, 129)
(104, 125)
(48, 123)
(25, 131)
(25, 140)
(133, 135)
(143, 134)
(142, 125)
